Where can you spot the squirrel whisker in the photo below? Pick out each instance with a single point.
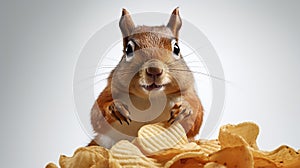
(202, 73)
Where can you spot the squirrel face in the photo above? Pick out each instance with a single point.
(151, 59)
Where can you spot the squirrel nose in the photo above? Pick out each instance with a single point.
(154, 71)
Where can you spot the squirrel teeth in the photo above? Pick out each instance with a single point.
(152, 86)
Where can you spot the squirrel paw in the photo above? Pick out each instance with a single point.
(180, 111)
(119, 111)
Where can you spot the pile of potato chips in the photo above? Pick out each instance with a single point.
(161, 145)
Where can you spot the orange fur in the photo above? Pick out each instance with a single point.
(153, 43)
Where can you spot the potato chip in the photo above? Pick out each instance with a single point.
(208, 146)
(236, 135)
(262, 162)
(167, 154)
(187, 163)
(86, 157)
(51, 165)
(125, 154)
(283, 156)
(156, 137)
(161, 145)
(238, 156)
(194, 158)
(213, 165)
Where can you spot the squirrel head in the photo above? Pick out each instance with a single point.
(151, 58)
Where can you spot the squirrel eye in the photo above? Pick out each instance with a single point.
(129, 50)
(175, 48)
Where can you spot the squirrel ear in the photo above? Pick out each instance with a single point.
(126, 24)
(175, 22)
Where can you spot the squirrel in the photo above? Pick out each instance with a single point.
(151, 83)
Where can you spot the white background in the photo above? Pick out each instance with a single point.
(257, 42)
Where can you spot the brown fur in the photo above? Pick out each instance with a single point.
(152, 43)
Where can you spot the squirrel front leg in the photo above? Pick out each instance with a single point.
(100, 116)
(189, 112)
(108, 110)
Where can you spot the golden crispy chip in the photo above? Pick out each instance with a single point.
(188, 146)
(213, 165)
(167, 154)
(238, 156)
(125, 154)
(263, 163)
(187, 163)
(156, 137)
(89, 157)
(203, 146)
(181, 160)
(51, 165)
(236, 135)
(167, 146)
(283, 156)
(208, 146)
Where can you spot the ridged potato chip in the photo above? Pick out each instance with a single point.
(86, 157)
(167, 154)
(125, 154)
(208, 146)
(163, 146)
(156, 137)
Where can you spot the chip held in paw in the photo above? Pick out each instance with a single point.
(166, 146)
(156, 137)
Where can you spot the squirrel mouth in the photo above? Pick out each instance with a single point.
(152, 87)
